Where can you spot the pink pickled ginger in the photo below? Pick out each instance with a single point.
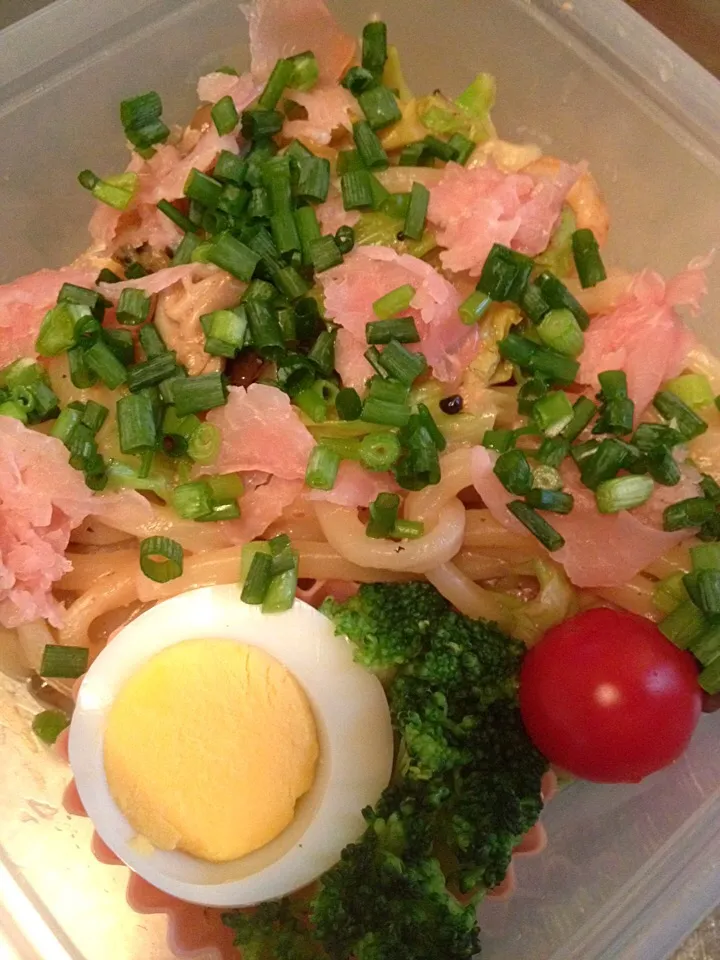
(601, 550)
(367, 274)
(643, 335)
(279, 28)
(24, 303)
(214, 86)
(328, 109)
(474, 208)
(41, 500)
(261, 431)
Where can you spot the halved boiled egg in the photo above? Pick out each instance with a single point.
(224, 754)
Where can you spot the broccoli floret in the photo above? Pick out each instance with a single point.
(382, 902)
(387, 625)
(276, 930)
(466, 788)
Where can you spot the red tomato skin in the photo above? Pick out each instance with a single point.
(608, 698)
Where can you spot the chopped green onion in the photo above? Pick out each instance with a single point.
(402, 329)
(133, 307)
(161, 559)
(505, 274)
(401, 364)
(80, 376)
(499, 440)
(322, 353)
(107, 276)
(553, 413)
(140, 117)
(385, 412)
(68, 419)
(257, 124)
(259, 574)
(588, 262)
(426, 419)
(438, 149)
(546, 478)
(558, 297)
(276, 179)
(230, 168)
(513, 471)
(417, 211)
(259, 205)
(705, 557)
(291, 283)
(537, 525)
(709, 679)
(135, 271)
(683, 625)
(193, 500)
(64, 662)
(195, 394)
(151, 372)
(308, 230)
(100, 359)
(233, 200)
(706, 648)
(668, 593)
(281, 592)
(57, 330)
(306, 71)
(687, 513)
(313, 182)
(374, 47)
(533, 304)
(185, 426)
(538, 358)
(582, 451)
(185, 249)
(284, 232)
(383, 515)
(227, 486)
(603, 463)
(322, 468)
(704, 590)
(379, 451)
(348, 404)
(115, 191)
(693, 389)
(356, 189)
(553, 451)
(357, 80)
(94, 415)
(407, 530)
(178, 218)
(136, 423)
(312, 404)
(385, 388)
(81, 296)
(204, 444)
(552, 500)
(583, 412)
(347, 161)
(325, 254)
(462, 148)
(327, 390)
(379, 106)
(710, 488)
(474, 307)
(560, 330)
(623, 493)
(203, 188)
(280, 78)
(369, 147)
(687, 423)
(394, 302)
(229, 253)
(347, 448)
(655, 437)
(228, 327)
(48, 725)
(227, 510)
(662, 468)
(151, 341)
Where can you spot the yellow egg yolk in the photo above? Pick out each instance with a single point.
(208, 748)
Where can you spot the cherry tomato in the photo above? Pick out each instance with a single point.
(606, 697)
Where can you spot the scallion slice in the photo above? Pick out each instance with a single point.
(49, 724)
(280, 78)
(553, 413)
(555, 501)
(687, 513)
(588, 261)
(101, 360)
(306, 71)
(687, 423)
(322, 468)
(537, 525)
(558, 297)
(348, 404)
(204, 444)
(193, 500)
(379, 451)
(133, 307)
(394, 302)
(374, 47)
(196, 394)
(474, 307)
(161, 559)
(499, 440)
(380, 107)
(560, 330)
(356, 189)
(325, 254)
(229, 253)
(369, 147)
(513, 471)
(385, 413)
(623, 493)
(402, 329)
(505, 274)
(383, 515)
(398, 362)
(417, 211)
(63, 661)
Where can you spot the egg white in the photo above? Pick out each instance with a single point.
(352, 717)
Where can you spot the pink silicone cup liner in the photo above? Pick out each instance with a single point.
(193, 929)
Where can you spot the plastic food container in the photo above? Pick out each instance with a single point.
(629, 871)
